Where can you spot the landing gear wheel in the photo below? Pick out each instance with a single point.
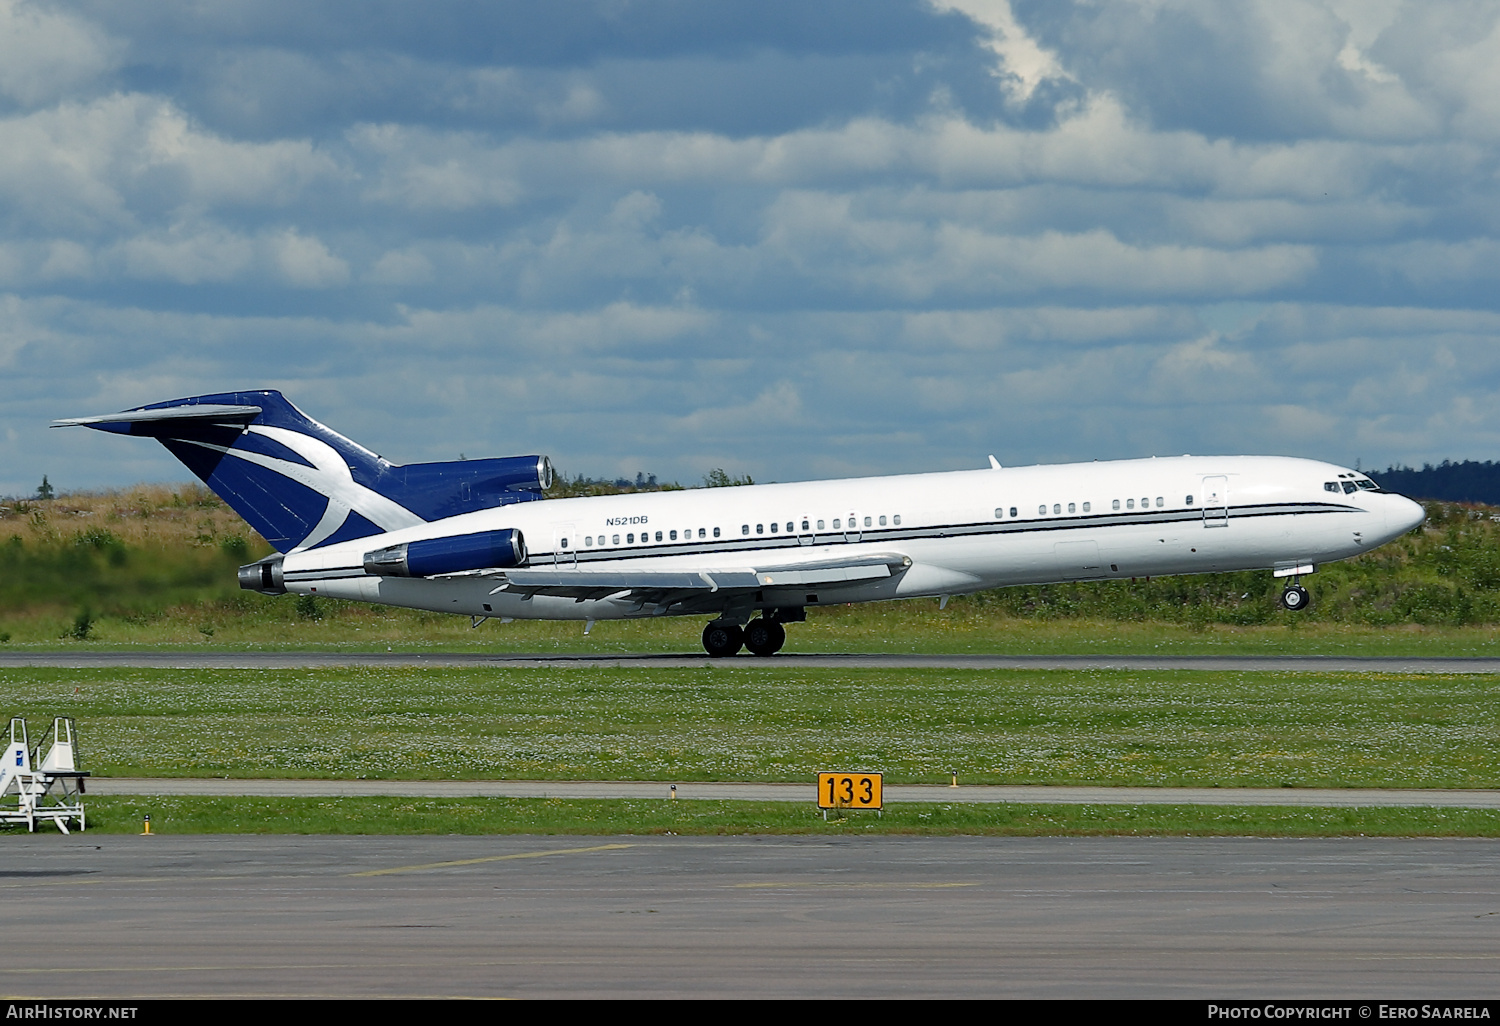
(722, 639)
(1295, 598)
(764, 637)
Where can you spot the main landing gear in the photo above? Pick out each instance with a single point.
(1295, 597)
(763, 636)
(722, 639)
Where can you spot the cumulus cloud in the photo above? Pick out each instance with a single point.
(47, 55)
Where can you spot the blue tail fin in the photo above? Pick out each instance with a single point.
(303, 486)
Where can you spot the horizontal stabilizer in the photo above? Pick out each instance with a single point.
(204, 413)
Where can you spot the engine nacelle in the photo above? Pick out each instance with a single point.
(264, 577)
(455, 554)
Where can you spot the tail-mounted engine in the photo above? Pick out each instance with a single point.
(431, 557)
(264, 577)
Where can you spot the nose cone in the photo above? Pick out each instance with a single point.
(1402, 515)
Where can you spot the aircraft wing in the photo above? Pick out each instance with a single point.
(675, 586)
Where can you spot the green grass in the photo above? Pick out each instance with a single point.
(154, 567)
(760, 722)
(179, 815)
(259, 623)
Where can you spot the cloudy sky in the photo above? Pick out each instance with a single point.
(788, 239)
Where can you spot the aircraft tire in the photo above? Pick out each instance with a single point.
(1295, 598)
(722, 639)
(764, 637)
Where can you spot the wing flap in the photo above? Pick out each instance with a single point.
(653, 585)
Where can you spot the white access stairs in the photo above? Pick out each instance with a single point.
(52, 790)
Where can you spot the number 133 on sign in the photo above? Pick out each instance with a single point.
(849, 790)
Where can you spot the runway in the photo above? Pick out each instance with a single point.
(395, 917)
(759, 792)
(263, 660)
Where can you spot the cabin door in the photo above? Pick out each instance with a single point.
(805, 530)
(564, 545)
(1216, 501)
(851, 528)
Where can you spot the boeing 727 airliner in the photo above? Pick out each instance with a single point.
(468, 537)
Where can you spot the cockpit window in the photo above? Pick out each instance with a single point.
(1330, 486)
(1368, 485)
(1350, 486)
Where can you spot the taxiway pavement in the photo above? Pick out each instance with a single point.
(757, 792)
(389, 917)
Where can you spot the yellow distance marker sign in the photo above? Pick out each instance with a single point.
(849, 790)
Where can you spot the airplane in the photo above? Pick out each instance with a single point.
(470, 537)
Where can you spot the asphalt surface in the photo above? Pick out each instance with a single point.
(295, 660)
(395, 917)
(728, 791)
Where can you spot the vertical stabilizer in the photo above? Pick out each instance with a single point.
(302, 485)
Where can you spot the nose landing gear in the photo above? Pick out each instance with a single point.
(1295, 597)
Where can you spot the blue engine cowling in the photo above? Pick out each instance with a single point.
(484, 550)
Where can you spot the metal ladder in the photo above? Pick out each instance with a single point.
(53, 790)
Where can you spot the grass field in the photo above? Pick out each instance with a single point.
(1177, 728)
(175, 815)
(154, 566)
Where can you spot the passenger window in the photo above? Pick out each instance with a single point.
(700, 532)
(761, 528)
(820, 525)
(616, 541)
(1145, 504)
(565, 543)
(1042, 509)
(1130, 504)
(1012, 513)
(1072, 508)
(897, 520)
(1057, 507)
(836, 523)
(999, 513)
(744, 529)
(674, 536)
(1189, 501)
(867, 521)
(789, 527)
(1117, 504)
(882, 521)
(804, 525)
(773, 529)
(1086, 507)
(588, 540)
(658, 535)
(1160, 502)
(630, 539)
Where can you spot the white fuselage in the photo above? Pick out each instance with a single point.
(962, 531)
